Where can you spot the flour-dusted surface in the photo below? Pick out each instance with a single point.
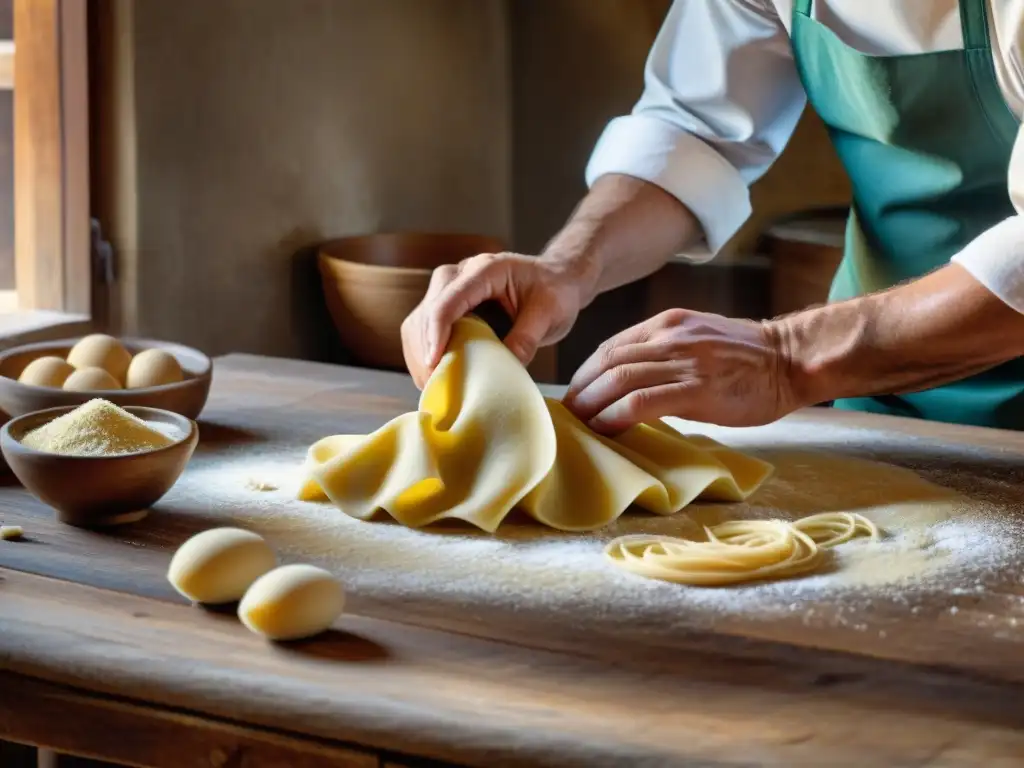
(953, 524)
(859, 677)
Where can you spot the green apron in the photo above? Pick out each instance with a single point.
(926, 141)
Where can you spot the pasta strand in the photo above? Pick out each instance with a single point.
(740, 551)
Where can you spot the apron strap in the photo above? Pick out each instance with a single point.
(974, 23)
(803, 7)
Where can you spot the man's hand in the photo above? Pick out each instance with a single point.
(624, 229)
(688, 364)
(542, 296)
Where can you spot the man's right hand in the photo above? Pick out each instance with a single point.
(542, 296)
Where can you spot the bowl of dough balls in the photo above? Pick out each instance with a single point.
(126, 372)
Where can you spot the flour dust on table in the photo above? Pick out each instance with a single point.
(951, 526)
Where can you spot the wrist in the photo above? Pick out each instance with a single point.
(817, 351)
(573, 259)
(934, 330)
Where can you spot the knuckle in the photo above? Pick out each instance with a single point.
(607, 353)
(619, 377)
(445, 273)
(484, 261)
(482, 264)
(670, 317)
(637, 401)
(413, 320)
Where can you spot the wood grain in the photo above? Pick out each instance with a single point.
(260, 400)
(493, 687)
(74, 116)
(153, 737)
(469, 701)
(51, 156)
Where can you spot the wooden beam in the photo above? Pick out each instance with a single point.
(77, 234)
(113, 148)
(51, 201)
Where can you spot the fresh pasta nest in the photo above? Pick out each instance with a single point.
(484, 441)
(740, 550)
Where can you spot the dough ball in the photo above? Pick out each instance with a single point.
(90, 379)
(153, 368)
(46, 371)
(219, 565)
(292, 602)
(101, 351)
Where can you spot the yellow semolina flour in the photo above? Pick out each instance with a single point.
(97, 428)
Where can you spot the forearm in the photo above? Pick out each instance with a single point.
(940, 328)
(623, 230)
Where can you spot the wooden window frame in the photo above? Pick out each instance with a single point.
(52, 240)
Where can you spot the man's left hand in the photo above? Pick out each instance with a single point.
(692, 365)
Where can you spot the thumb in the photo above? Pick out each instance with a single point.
(529, 329)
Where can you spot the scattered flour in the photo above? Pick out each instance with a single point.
(953, 527)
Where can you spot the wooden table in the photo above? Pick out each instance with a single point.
(101, 658)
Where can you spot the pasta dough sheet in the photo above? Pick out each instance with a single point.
(484, 441)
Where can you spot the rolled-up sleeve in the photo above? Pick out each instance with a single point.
(996, 257)
(722, 97)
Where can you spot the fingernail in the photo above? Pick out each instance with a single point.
(584, 400)
(605, 422)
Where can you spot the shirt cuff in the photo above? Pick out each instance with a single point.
(996, 260)
(686, 167)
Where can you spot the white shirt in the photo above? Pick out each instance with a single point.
(722, 97)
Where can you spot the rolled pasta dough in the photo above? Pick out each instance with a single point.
(485, 441)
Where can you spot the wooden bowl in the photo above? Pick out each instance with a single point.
(98, 491)
(186, 397)
(371, 284)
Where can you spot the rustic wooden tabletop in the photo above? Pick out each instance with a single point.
(102, 658)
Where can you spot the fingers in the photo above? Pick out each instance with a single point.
(430, 349)
(454, 291)
(617, 382)
(611, 352)
(479, 279)
(414, 333)
(413, 349)
(531, 327)
(630, 346)
(615, 351)
(641, 405)
(542, 302)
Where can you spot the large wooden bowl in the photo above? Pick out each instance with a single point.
(372, 282)
(186, 398)
(98, 491)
